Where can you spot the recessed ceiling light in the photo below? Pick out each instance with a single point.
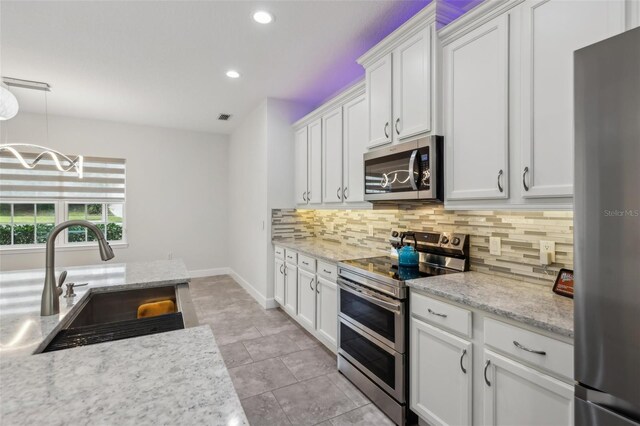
(233, 74)
(262, 17)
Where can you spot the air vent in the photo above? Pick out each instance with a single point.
(224, 117)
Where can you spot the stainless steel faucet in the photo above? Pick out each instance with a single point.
(50, 304)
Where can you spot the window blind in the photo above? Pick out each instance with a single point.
(103, 178)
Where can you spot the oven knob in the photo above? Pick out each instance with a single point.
(445, 240)
(395, 234)
(455, 241)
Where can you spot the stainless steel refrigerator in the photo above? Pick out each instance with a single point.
(607, 231)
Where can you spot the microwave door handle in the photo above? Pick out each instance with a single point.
(412, 163)
(367, 296)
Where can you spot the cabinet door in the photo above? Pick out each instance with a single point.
(279, 282)
(354, 146)
(314, 195)
(551, 32)
(476, 112)
(412, 86)
(378, 82)
(301, 166)
(332, 156)
(291, 289)
(441, 371)
(327, 310)
(519, 395)
(306, 298)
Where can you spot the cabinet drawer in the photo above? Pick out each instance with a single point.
(279, 251)
(328, 271)
(306, 262)
(441, 314)
(291, 256)
(557, 356)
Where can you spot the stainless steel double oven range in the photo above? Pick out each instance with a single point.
(373, 319)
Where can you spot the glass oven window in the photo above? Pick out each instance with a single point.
(391, 173)
(378, 361)
(370, 315)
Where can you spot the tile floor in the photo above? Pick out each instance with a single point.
(282, 374)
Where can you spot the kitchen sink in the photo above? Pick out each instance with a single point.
(112, 315)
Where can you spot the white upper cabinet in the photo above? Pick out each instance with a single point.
(354, 117)
(476, 81)
(412, 86)
(551, 31)
(314, 194)
(301, 166)
(332, 156)
(379, 86)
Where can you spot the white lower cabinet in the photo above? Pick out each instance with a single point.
(515, 394)
(309, 294)
(306, 298)
(521, 376)
(279, 292)
(441, 375)
(327, 309)
(291, 289)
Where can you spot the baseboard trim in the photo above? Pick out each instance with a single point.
(263, 301)
(199, 273)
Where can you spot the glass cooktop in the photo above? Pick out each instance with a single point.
(387, 267)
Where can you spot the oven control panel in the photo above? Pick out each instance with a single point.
(446, 241)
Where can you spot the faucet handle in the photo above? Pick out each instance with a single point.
(61, 278)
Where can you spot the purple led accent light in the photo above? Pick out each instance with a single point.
(344, 71)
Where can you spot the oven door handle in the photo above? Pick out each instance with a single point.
(390, 306)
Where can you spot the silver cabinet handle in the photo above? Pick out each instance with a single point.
(524, 348)
(464, 352)
(338, 194)
(317, 288)
(326, 272)
(309, 197)
(385, 129)
(311, 285)
(436, 313)
(524, 181)
(397, 122)
(305, 263)
(285, 270)
(486, 366)
(282, 269)
(345, 194)
(304, 196)
(500, 188)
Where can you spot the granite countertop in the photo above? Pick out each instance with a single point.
(167, 378)
(327, 250)
(531, 304)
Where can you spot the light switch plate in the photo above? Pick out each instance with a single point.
(547, 247)
(495, 246)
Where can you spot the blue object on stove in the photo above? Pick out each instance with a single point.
(408, 256)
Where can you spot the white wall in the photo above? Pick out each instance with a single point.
(176, 188)
(260, 178)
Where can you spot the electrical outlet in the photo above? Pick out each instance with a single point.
(495, 246)
(370, 230)
(547, 252)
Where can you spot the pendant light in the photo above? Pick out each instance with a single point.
(8, 103)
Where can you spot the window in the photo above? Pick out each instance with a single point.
(35, 200)
(26, 223)
(108, 217)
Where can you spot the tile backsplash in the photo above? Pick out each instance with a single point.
(520, 231)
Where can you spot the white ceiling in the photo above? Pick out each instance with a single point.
(164, 63)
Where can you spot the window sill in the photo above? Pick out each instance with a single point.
(71, 247)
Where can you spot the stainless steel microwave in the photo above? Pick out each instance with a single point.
(407, 171)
